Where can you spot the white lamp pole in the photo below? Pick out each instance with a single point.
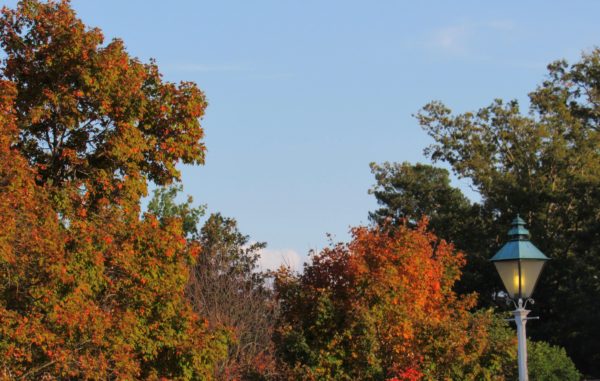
(519, 264)
(521, 319)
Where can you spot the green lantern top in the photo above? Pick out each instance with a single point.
(517, 230)
(518, 247)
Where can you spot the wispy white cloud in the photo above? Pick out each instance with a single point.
(457, 39)
(468, 41)
(452, 39)
(272, 259)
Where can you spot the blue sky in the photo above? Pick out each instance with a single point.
(305, 94)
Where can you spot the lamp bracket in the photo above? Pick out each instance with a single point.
(519, 303)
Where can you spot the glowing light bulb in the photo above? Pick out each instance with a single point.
(518, 283)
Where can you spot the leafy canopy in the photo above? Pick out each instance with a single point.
(88, 289)
(543, 164)
(90, 116)
(382, 307)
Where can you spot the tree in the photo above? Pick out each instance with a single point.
(550, 363)
(164, 206)
(409, 192)
(544, 165)
(382, 308)
(90, 117)
(226, 286)
(93, 299)
(88, 289)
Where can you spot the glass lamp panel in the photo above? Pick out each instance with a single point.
(509, 273)
(519, 283)
(530, 272)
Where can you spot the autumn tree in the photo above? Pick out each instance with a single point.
(88, 289)
(410, 192)
(382, 308)
(101, 299)
(90, 117)
(543, 164)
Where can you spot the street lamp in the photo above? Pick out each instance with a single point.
(519, 264)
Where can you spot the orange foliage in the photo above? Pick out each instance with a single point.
(79, 299)
(381, 307)
(92, 118)
(88, 289)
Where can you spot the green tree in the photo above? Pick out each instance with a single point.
(544, 165)
(163, 205)
(549, 363)
(408, 192)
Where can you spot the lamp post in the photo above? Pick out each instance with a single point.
(519, 264)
